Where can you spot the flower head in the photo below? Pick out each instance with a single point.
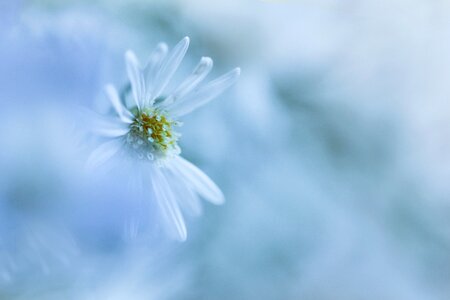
(152, 135)
(146, 130)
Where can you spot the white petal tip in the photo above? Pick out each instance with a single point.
(129, 53)
(184, 42)
(181, 233)
(206, 60)
(131, 57)
(182, 238)
(237, 71)
(219, 201)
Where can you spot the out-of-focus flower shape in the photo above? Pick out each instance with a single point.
(143, 132)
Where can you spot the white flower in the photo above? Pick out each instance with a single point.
(145, 132)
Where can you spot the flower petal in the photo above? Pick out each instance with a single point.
(197, 180)
(174, 222)
(200, 72)
(151, 69)
(103, 153)
(102, 125)
(124, 114)
(108, 127)
(136, 77)
(111, 132)
(204, 94)
(169, 66)
(189, 201)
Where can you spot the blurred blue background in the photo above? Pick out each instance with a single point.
(333, 151)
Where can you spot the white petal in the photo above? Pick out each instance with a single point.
(188, 199)
(102, 125)
(152, 68)
(103, 153)
(204, 94)
(108, 127)
(169, 66)
(111, 132)
(167, 202)
(124, 114)
(136, 77)
(197, 180)
(197, 76)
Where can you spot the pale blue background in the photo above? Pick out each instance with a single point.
(333, 151)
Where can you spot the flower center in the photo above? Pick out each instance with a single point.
(152, 136)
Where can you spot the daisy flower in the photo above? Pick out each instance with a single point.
(144, 131)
